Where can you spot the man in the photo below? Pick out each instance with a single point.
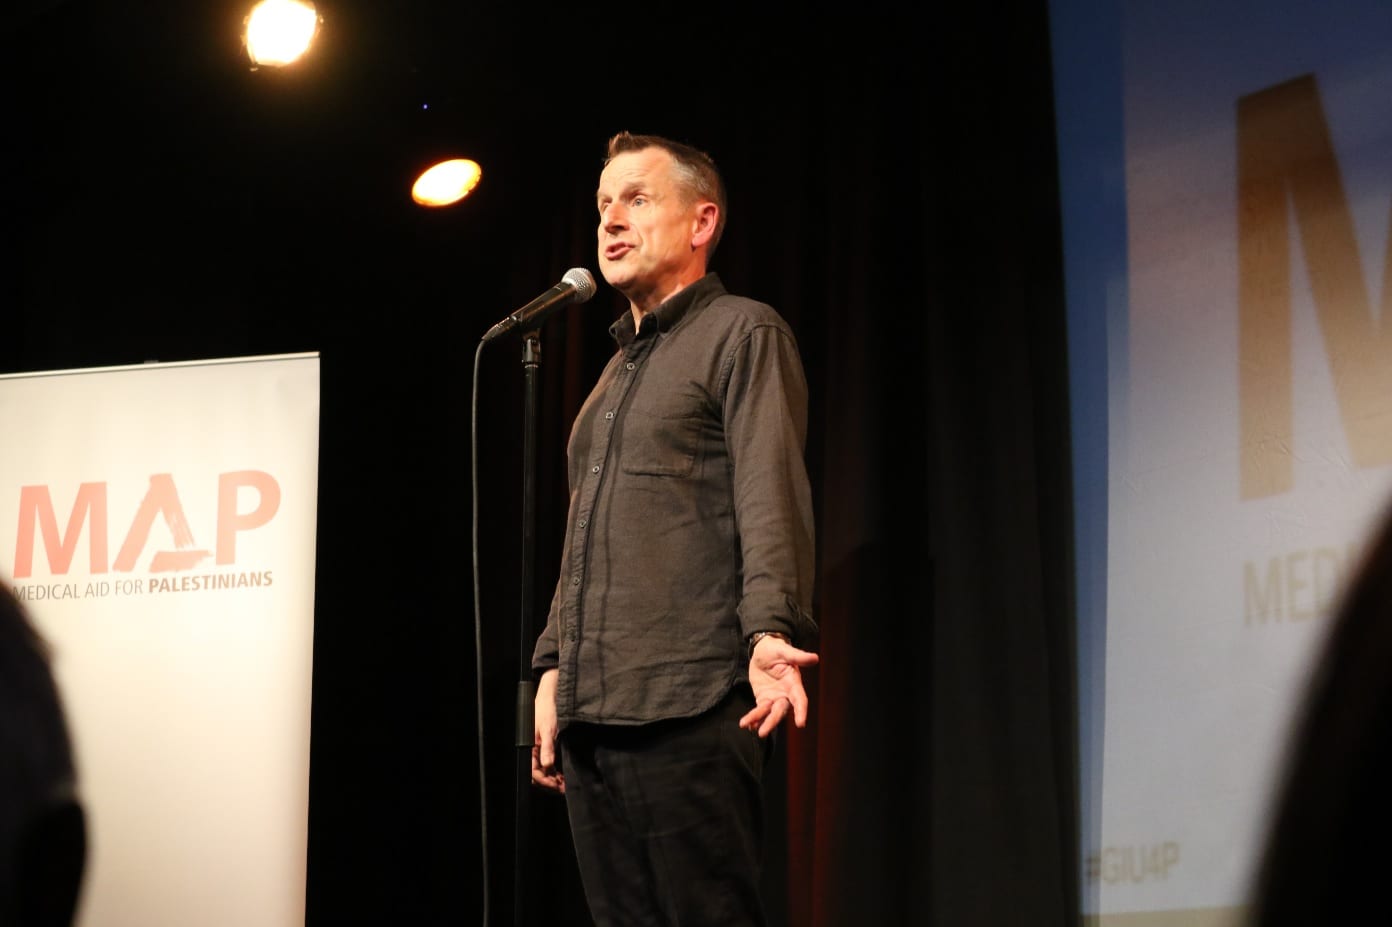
(673, 648)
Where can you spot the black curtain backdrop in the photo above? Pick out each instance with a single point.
(893, 193)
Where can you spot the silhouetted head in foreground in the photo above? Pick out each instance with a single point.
(1324, 860)
(42, 824)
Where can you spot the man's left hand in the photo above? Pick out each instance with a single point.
(775, 674)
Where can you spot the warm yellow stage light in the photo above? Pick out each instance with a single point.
(279, 31)
(446, 182)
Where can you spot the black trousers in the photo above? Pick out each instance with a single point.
(667, 818)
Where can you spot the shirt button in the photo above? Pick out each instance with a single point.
(630, 365)
(582, 522)
(595, 468)
(608, 414)
(575, 580)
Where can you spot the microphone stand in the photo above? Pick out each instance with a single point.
(525, 734)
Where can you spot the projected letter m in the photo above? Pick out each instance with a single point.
(1285, 166)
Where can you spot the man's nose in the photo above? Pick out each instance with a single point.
(612, 217)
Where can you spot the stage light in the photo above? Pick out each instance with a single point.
(278, 32)
(446, 182)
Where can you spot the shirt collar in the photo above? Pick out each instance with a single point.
(672, 311)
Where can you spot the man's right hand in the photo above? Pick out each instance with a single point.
(546, 770)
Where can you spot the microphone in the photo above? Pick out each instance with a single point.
(577, 286)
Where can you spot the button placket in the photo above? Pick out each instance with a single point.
(580, 552)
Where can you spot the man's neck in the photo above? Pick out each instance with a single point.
(647, 302)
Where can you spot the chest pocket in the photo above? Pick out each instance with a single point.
(663, 437)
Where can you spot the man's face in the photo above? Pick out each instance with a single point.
(646, 228)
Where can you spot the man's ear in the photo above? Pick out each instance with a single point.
(703, 227)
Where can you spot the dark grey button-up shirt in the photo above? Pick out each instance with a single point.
(690, 522)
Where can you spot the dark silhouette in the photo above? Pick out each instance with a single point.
(1323, 862)
(43, 831)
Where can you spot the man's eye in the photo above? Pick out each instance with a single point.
(638, 200)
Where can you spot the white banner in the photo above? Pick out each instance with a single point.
(1238, 298)
(159, 522)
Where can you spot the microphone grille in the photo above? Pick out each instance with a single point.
(583, 281)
